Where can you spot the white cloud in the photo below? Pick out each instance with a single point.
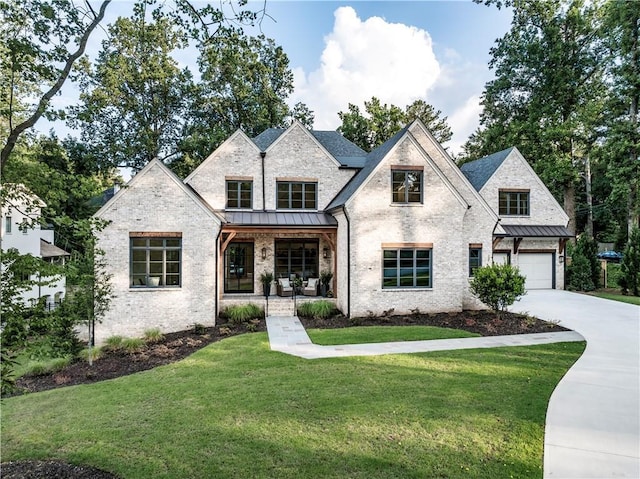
(361, 59)
(463, 122)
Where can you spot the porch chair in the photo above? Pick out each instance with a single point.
(311, 289)
(284, 287)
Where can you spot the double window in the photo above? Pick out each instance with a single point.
(239, 194)
(407, 268)
(406, 186)
(513, 203)
(156, 261)
(475, 258)
(297, 195)
(297, 258)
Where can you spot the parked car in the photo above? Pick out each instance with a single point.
(612, 256)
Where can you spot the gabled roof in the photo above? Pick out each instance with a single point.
(479, 171)
(348, 154)
(372, 160)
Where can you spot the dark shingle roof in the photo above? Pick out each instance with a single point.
(479, 171)
(346, 153)
(280, 218)
(372, 160)
(48, 250)
(536, 231)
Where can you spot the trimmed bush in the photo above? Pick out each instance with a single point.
(497, 285)
(317, 309)
(583, 274)
(243, 313)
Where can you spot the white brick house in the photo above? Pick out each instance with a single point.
(401, 227)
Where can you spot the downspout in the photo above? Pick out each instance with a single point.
(344, 210)
(217, 274)
(264, 206)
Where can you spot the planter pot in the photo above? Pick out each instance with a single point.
(266, 289)
(154, 281)
(323, 290)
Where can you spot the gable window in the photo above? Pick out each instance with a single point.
(239, 194)
(513, 203)
(406, 185)
(7, 224)
(297, 195)
(156, 261)
(406, 268)
(475, 258)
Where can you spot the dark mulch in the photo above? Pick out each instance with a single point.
(175, 346)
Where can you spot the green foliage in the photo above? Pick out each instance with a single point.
(317, 309)
(583, 274)
(199, 328)
(497, 285)
(91, 354)
(132, 345)
(113, 342)
(266, 277)
(614, 274)
(383, 121)
(630, 267)
(243, 313)
(325, 277)
(153, 335)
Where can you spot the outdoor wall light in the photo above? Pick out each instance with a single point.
(561, 259)
(325, 253)
(264, 253)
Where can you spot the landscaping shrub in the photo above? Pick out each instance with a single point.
(153, 335)
(614, 275)
(39, 368)
(132, 345)
(630, 267)
(583, 274)
(242, 313)
(90, 355)
(317, 309)
(497, 285)
(113, 342)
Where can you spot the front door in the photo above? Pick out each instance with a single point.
(238, 268)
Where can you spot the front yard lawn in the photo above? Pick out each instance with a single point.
(236, 409)
(617, 297)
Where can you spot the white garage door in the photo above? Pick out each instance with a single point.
(538, 268)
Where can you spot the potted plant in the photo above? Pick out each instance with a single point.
(297, 284)
(266, 279)
(325, 278)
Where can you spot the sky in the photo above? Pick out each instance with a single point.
(345, 52)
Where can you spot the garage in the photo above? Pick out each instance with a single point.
(538, 269)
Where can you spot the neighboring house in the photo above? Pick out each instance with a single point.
(401, 228)
(21, 230)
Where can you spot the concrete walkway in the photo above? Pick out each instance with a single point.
(287, 335)
(593, 419)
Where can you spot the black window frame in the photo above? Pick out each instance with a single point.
(401, 259)
(289, 264)
(290, 195)
(239, 266)
(475, 259)
(409, 196)
(237, 191)
(166, 259)
(515, 203)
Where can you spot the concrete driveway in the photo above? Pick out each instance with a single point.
(593, 420)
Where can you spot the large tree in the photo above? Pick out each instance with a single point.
(135, 98)
(381, 121)
(545, 95)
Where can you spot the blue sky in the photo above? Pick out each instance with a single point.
(348, 51)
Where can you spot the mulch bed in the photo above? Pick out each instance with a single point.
(176, 346)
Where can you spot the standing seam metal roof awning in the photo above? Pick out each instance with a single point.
(535, 231)
(280, 219)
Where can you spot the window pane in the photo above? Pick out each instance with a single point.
(173, 243)
(398, 187)
(155, 255)
(390, 254)
(139, 242)
(173, 255)
(139, 255)
(173, 267)
(173, 280)
(156, 242)
(155, 269)
(139, 268)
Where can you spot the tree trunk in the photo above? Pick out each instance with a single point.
(587, 178)
(570, 206)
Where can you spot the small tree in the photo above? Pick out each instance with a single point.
(497, 286)
(583, 274)
(630, 268)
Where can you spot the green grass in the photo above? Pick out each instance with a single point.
(383, 334)
(237, 409)
(617, 297)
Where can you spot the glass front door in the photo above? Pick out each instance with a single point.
(238, 268)
(297, 258)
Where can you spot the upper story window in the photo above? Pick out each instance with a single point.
(513, 202)
(406, 185)
(406, 268)
(7, 224)
(239, 194)
(297, 195)
(156, 260)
